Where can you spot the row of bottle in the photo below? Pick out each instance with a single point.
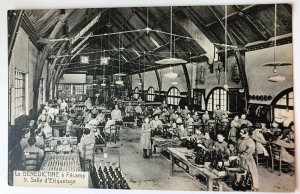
(243, 183)
(108, 178)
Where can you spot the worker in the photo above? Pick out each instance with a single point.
(43, 117)
(138, 109)
(235, 126)
(88, 104)
(146, 138)
(47, 130)
(185, 111)
(244, 121)
(101, 118)
(156, 124)
(87, 139)
(116, 115)
(69, 126)
(221, 145)
(129, 110)
(171, 110)
(259, 139)
(24, 139)
(40, 143)
(146, 111)
(109, 123)
(32, 148)
(64, 105)
(218, 113)
(157, 111)
(206, 143)
(246, 149)
(205, 117)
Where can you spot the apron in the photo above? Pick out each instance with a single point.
(145, 136)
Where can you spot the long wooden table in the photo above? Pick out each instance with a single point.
(163, 143)
(180, 154)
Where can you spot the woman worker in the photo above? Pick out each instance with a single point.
(246, 149)
(146, 138)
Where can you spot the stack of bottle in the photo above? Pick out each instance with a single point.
(108, 177)
(243, 183)
(167, 134)
(61, 162)
(217, 161)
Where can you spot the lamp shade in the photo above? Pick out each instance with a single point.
(171, 75)
(170, 61)
(276, 78)
(174, 83)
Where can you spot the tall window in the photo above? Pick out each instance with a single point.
(173, 96)
(219, 97)
(150, 94)
(19, 93)
(284, 106)
(136, 93)
(78, 89)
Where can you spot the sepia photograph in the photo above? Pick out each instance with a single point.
(178, 98)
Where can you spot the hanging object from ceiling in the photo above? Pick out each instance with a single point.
(171, 60)
(174, 83)
(275, 77)
(119, 81)
(226, 87)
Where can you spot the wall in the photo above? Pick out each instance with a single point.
(192, 68)
(73, 78)
(24, 59)
(257, 74)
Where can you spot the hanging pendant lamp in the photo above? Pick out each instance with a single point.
(170, 60)
(276, 77)
(225, 66)
(119, 81)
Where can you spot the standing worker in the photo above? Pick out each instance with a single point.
(146, 138)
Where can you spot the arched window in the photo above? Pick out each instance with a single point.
(136, 93)
(173, 96)
(217, 96)
(150, 94)
(283, 105)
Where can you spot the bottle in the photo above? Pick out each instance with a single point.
(242, 185)
(249, 181)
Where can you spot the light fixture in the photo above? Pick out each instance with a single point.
(171, 74)
(171, 60)
(174, 83)
(226, 60)
(276, 77)
(119, 81)
(103, 83)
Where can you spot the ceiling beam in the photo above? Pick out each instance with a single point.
(231, 16)
(250, 22)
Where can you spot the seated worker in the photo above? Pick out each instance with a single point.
(69, 127)
(109, 123)
(101, 118)
(146, 111)
(244, 121)
(32, 148)
(196, 118)
(116, 115)
(179, 120)
(185, 112)
(182, 132)
(224, 118)
(95, 110)
(284, 142)
(259, 139)
(47, 130)
(64, 105)
(138, 109)
(157, 111)
(140, 100)
(174, 129)
(205, 117)
(171, 110)
(24, 139)
(165, 114)
(129, 110)
(179, 109)
(231, 147)
(43, 117)
(221, 145)
(40, 143)
(87, 139)
(88, 104)
(156, 124)
(173, 117)
(218, 113)
(51, 112)
(92, 124)
(86, 116)
(206, 143)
